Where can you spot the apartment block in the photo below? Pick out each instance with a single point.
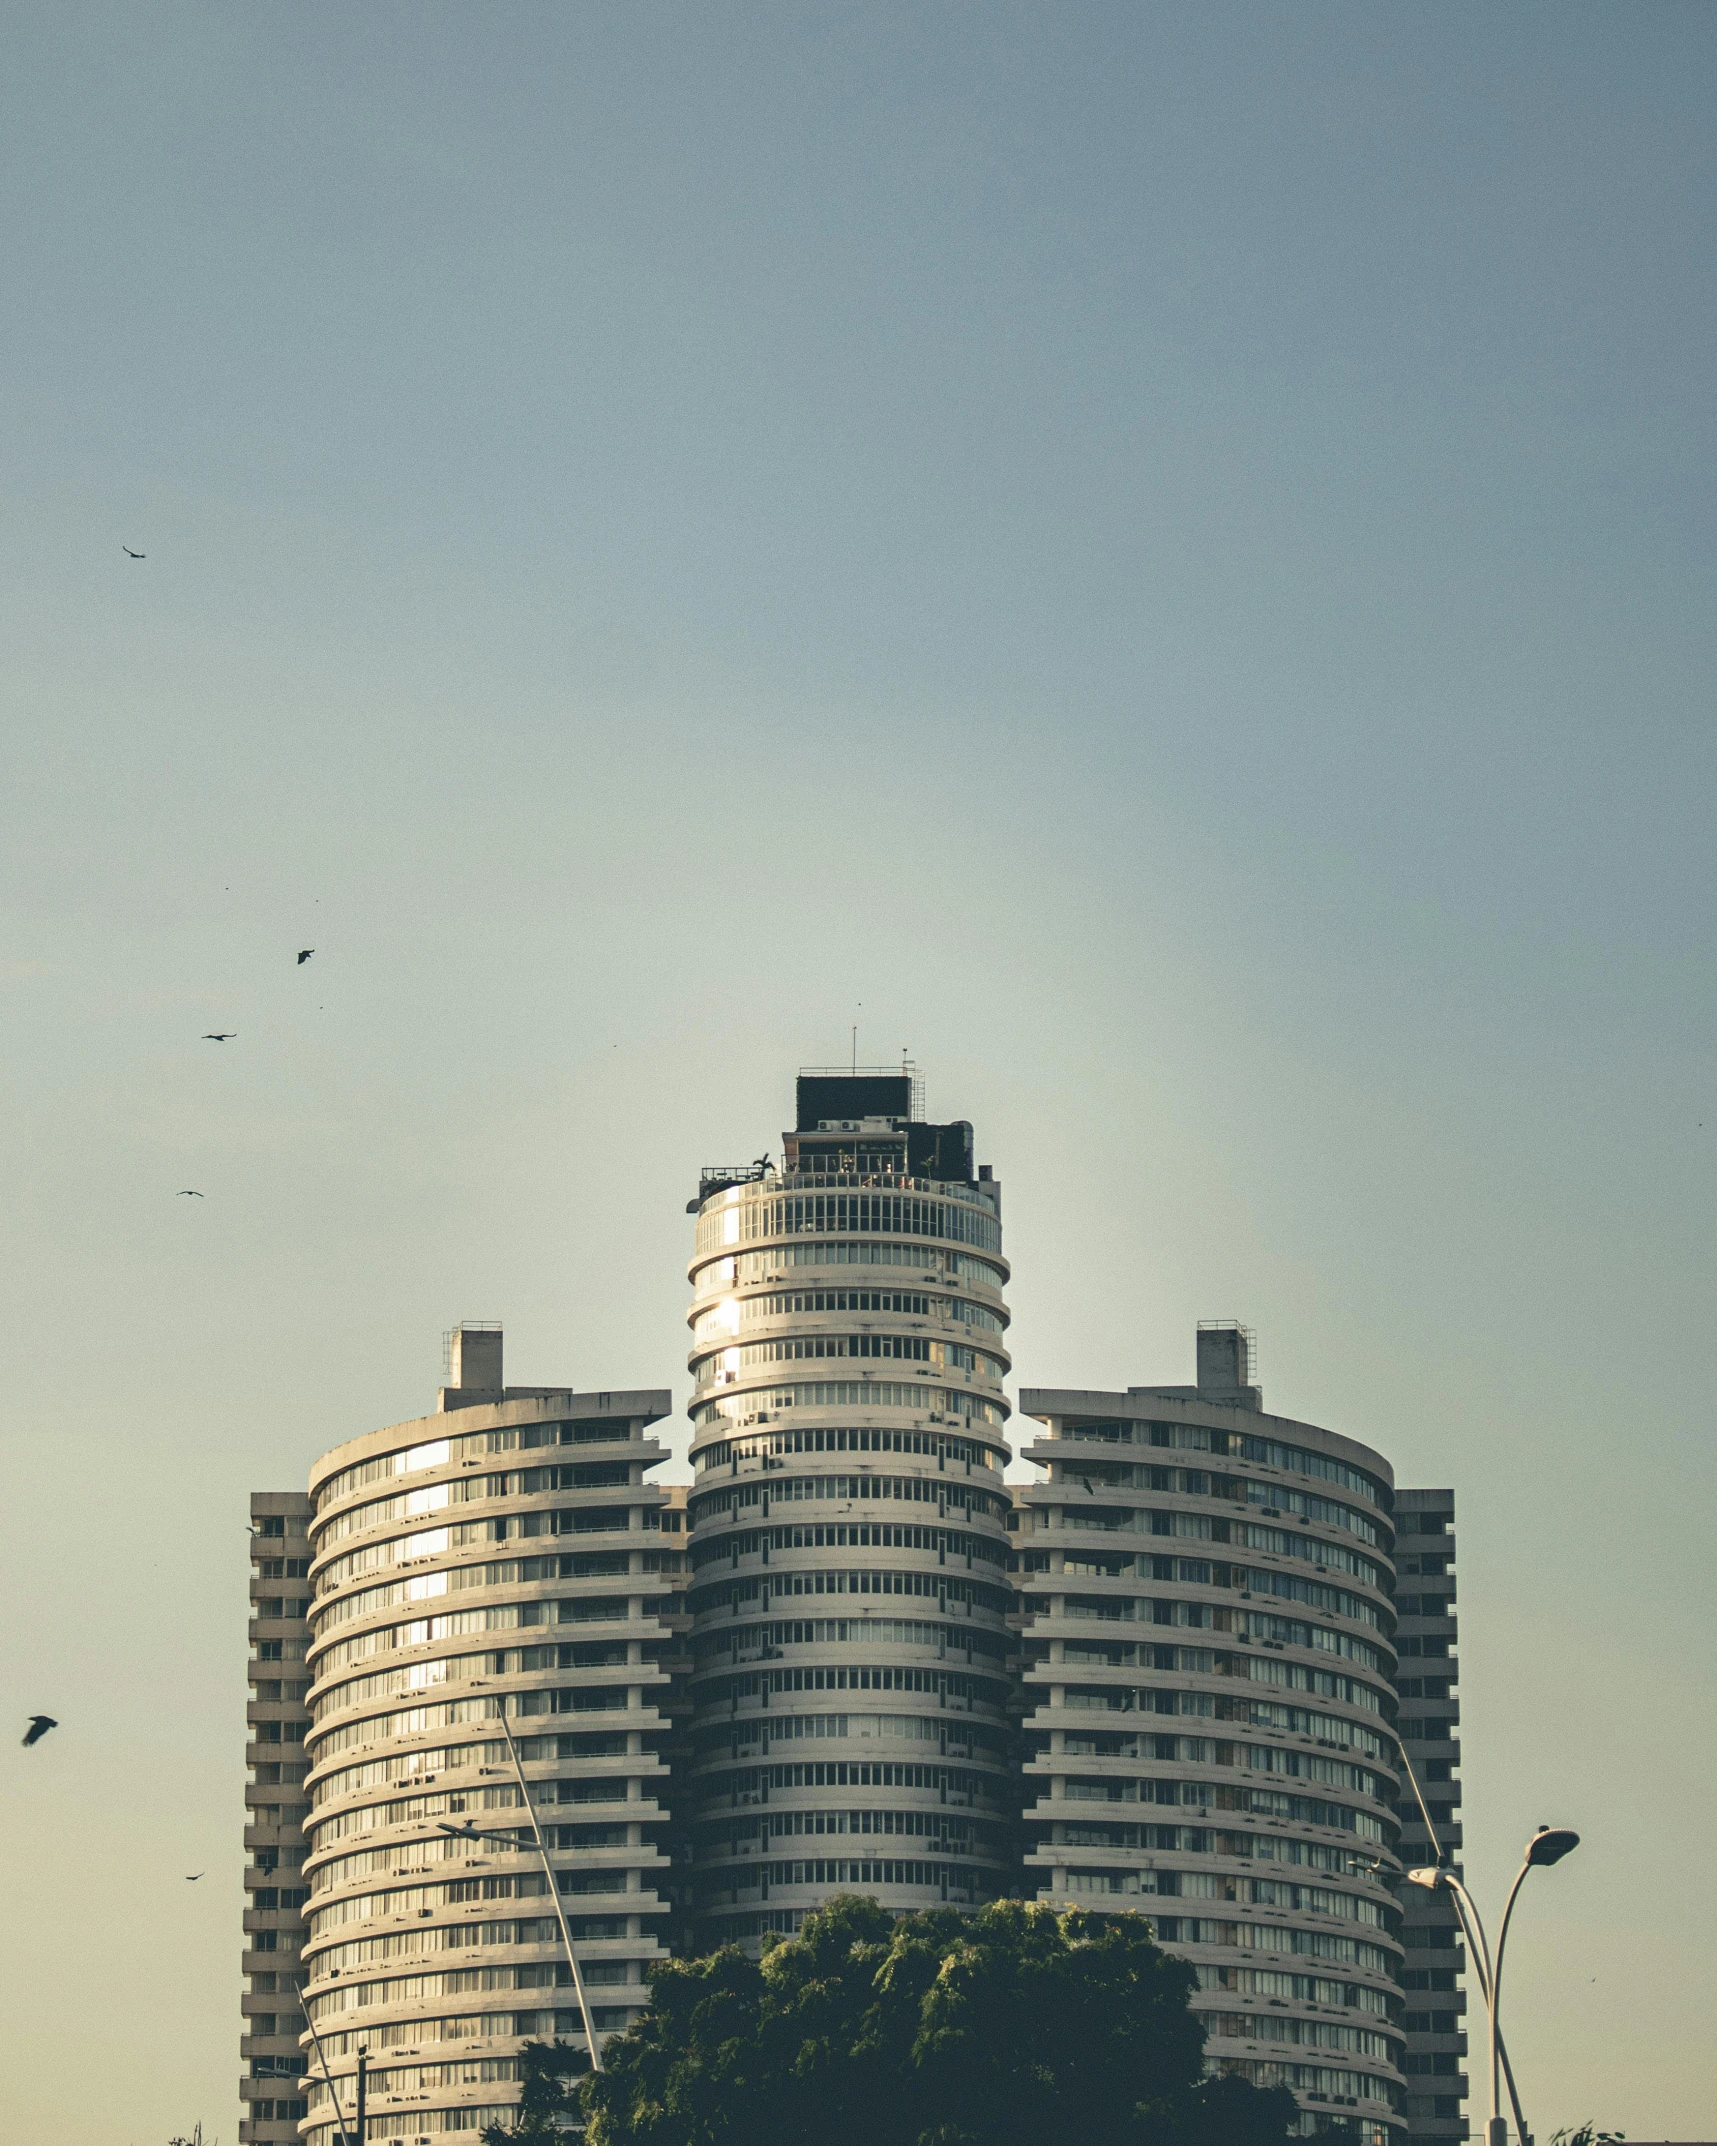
(276, 1806)
(1429, 1720)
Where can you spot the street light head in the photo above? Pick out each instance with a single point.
(1549, 1845)
(1428, 1875)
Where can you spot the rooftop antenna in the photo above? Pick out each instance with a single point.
(855, 1050)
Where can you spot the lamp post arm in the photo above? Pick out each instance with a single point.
(1521, 2131)
(1466, 1910)
(553, 1887)
(1496, 1995)
(327, 2076)
(1418, 1795)
(1473, 1931)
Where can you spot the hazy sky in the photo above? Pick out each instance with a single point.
(1156, 557)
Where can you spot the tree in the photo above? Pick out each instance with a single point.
(928, 2030)
(548, 2095)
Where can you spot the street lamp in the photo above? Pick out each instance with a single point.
(1546, 1846)
(1476, 1950)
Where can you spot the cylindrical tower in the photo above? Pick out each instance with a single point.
(1208, 1622)
(503, 1554)
(847, 1522)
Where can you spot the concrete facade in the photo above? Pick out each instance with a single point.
(505, 1552)
(848, 1539)
(1164, 1679)
(1208, 1685)
(1427, 1685)
(271, 2099)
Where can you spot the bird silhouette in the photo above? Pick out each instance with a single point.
(190, 1195)
(130, 554)
(193, 1876)
(225, 1036)
(304, 953)
(40, 1724)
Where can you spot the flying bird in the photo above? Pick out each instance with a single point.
(304, 953)
(193, 1876)
(187, 1195)
(40, 1724)
(130, 554)
(223, 1037)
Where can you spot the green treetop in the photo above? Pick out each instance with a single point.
(1013, 2024)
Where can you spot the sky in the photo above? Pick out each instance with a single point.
(1155, 558)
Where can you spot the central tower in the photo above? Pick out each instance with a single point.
(849, 1584)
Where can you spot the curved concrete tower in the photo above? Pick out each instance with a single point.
(848, 1542)
(503, 1554)
(1209, 1628)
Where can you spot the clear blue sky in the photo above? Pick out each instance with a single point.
(1158, 557)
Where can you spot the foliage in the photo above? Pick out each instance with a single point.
(928, 2030)
(1586, 2134)
(549, 2097)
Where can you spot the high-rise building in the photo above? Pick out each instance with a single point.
(271, 2101)
(1208, 1624)
(848, 1518)
(1429, 1722)
(502, 1555)
(1174, 1676)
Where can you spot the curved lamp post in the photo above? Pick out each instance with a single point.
(1548, 1845)
(1477, 1951)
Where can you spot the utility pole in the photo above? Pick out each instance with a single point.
(363, 2090)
